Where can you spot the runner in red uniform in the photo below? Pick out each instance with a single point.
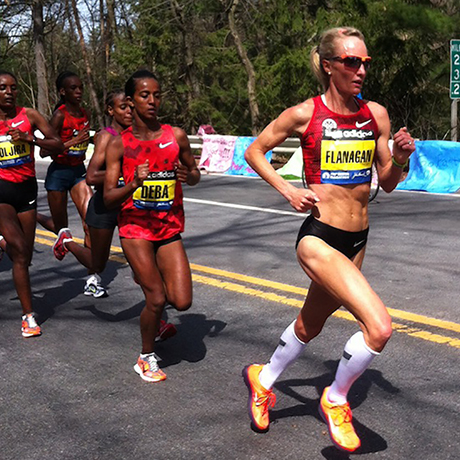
(340, 136)
(67, 171)
(154, 160)
(18, 188)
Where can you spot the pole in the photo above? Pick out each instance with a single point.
(453, 120)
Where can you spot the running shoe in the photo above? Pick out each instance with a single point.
(338, 419)
(166, 331)
(94, 287)
(59, 249)
(260, 399)
(30, 328)
(147, 368)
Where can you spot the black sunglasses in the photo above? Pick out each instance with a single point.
(352, 62)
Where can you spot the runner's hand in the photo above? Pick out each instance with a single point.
(403, 146)
(82, 136)
(17, 135)
(302, 200)
(181, 172)
(141, 173)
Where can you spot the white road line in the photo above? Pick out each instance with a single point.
(236, 206)
(249, 208)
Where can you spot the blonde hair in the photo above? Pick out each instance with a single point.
(326, 49)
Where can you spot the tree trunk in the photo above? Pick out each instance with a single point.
(43, 102)
(253, 106)
(190, 73)
(111, 23)
(89, 74)
(106, 56)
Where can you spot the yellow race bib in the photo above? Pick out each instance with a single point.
(346, 161)
(13, 153)
(157, 192)
(78, 150)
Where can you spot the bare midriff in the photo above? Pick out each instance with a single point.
(342, 206)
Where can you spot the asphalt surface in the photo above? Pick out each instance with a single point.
(73, 394)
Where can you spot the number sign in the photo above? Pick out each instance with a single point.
(455, 69)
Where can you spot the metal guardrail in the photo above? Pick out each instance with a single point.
(288, 146)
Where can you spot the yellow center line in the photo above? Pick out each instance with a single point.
(399, 314)
(414, 332)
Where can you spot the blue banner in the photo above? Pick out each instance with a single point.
(434, 167)
(239, 165)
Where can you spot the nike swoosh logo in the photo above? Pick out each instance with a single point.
(15, 125)
(364, 123)
(85, 123)
(32, 202)
(162, 146)
(358, 243)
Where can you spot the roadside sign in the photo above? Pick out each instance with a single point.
(455, 69)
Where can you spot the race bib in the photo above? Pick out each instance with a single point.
(157, 192)
(347, 161)
(78, 150)
(13, 153)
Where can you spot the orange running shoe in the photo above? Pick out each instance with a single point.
(338, 419)
(148, 369)
(30, 328)
(260, 399)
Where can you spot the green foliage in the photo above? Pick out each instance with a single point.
(408, 40)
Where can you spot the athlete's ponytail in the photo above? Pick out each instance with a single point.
(326, 50)
(60, 85)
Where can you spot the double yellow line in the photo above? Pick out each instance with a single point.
(413, 324)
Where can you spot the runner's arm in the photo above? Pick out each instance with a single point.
(51, 140)
(114, 196)
(389, 173)
(292, 120)
(95, 175)
(187, 170)
(56, 122)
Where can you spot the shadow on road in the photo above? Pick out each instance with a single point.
(371, 441)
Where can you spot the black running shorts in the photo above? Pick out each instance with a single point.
(21, 195)
(98, 216)
(348, 243)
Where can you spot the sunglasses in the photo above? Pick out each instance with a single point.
(353, 62)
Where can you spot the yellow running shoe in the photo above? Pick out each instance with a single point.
(260, 399)
(147, 368)
(338, 419)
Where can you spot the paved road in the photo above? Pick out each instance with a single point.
(72, 393)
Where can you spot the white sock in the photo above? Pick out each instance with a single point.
(93, 277)
(357, 356)
(285, 354)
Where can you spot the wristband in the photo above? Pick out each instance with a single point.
(399, 165)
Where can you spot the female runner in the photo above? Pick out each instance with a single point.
(67, 172)
(101, 221)
(18, 188)
(341, 136)
(154, 160)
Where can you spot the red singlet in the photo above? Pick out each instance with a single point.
(71, 126)
(339, 149)
(155, 210)
(17, 162)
